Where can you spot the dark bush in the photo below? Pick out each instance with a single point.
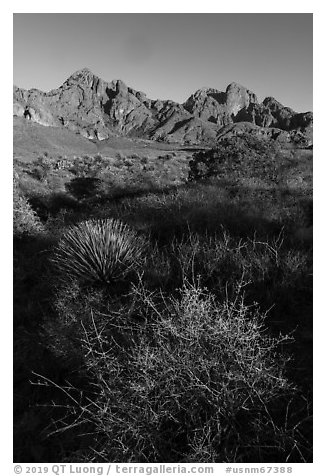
(84, 187)
(244, 155)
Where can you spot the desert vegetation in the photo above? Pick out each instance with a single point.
(99, 251)
(163, 306)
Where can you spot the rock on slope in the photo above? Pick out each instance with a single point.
(99, 110)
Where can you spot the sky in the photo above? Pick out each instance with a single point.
(169, 56)
(269, 53)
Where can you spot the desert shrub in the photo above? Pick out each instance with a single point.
(275, 276)
(134, 157)
(120, 158)
(25, 219)
(47, 206)
(238, 155)
(41, 168)
(84, 187)
(99, 251)
(165, 158)
(39, 172)
(87, 166)
(128, 163)
(180, 379)
(222, 258)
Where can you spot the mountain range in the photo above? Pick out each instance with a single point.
(100, 110)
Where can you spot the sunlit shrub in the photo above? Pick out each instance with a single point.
(25, 219)
(178, 379)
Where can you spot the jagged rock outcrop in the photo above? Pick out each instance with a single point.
(247, 127)
(238, 98)
(97, 109)
(208, 105)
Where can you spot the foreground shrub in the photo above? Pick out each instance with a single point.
(179, 380)
(99, 251)
(25, 220)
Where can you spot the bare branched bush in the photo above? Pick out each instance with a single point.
(191, 379)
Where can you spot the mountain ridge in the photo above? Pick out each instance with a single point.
(98, 109)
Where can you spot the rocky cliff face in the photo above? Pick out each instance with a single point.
(97, 109)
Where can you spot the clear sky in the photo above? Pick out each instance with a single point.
(169, 56)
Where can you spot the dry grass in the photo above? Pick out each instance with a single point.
(178, 362)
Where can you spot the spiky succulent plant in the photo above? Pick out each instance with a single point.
(99, 251)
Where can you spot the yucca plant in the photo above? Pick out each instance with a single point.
(103, 250)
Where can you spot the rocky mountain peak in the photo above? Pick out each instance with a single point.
(98, 109)
(238, 97)
(119, 86)
(82, 76)
(83, 72)
(235, 87)
(275, 105)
